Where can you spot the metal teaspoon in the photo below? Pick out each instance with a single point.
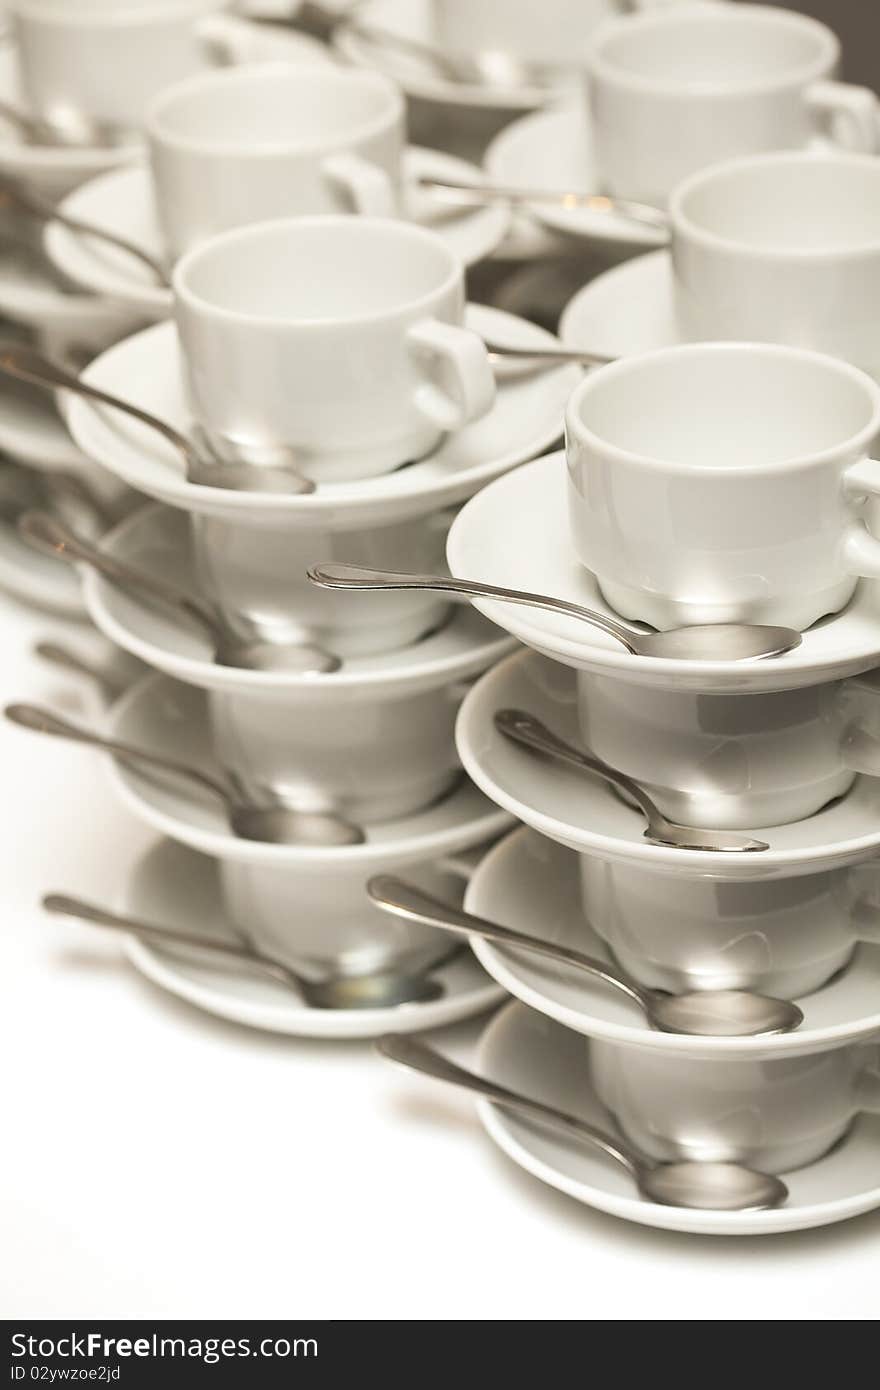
(382, 990)
(46, 533)
(708, 642)
(717, 1013)
(702, 1186)
(272, 825)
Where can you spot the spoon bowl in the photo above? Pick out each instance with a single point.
(716, 642)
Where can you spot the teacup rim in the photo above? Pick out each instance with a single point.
(859, 442)
(685, 228)
(599, 65)
(422, 304)
(272, 67)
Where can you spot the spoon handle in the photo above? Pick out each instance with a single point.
(29, 201)
(542, 354)
(67, 660)
(25, 364)
(339, 576)
(409, 1052)
(44, 721)
(521, 727)
(47, 533)
(406, 900)
(463, 192)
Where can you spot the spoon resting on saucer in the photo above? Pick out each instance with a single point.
(524, 729)
(459, 193)
(715, 1013)
(709, 642)
(384, 989)
(73, 131)
(702, 1186)
(271, 825)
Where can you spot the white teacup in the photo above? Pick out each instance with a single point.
(374, 758)
(771, 1115)
(339, 337)
(106, 59)
(723, 482)
(740, 761)
(256, 576)
(247, 144)
(782, 248)
(671, 93)
(782, 937)
(553, 32)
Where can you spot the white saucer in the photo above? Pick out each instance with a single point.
(30, 295)
(515, 533)
(160, 714)
(32, 431)
(412, 19)
(56, 171)
(583, 812)
(531, 884)
(146, 370)
(176, 886)
(40, 581)
(123, 203)
(532, 1054)
(553, 149)
(626, 310)
(156, 540)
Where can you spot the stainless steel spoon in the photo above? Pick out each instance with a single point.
(702, 1186)
(272, 825)
(550, 355)
(524, 729)
(47, 534)
(716, 1013)
(23, 199)
(110, 685)
(709, 642)
(25, 364)
(384, 989)
(459, 193)
(74, 131)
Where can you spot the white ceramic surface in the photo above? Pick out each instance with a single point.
(772, 1114)
(733, 761)
(680, 933)
(747, 507)
(555, 32)
(146, 369)
(516, 534)
(582, 812)
(157, 540)
(162, 715)
(260, 142)
(175, 885)
(538, 1057)
(281, 320)
(784, 249)
(123, 203)
(673, 92)
(626, 310)
(39, 581)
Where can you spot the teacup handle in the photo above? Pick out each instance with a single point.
(366, 185)
(460, 383)
(861, 550)
(857, 704)
(848, 115)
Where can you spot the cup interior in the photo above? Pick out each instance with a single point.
(734, 406)
(706, 47)
(787, 204)
(273, 108)
(343, 269)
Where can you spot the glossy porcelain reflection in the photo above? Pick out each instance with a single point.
(283, 321)
(783, 937)
(770, 1115)
(735, 761)
(107, 58)
(724, 483)
(674, 92)
(372, 759)
(557, 31)
(782, 248)
(245, 145)
(256, 575)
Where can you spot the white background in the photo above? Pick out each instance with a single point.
(158, 1163)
